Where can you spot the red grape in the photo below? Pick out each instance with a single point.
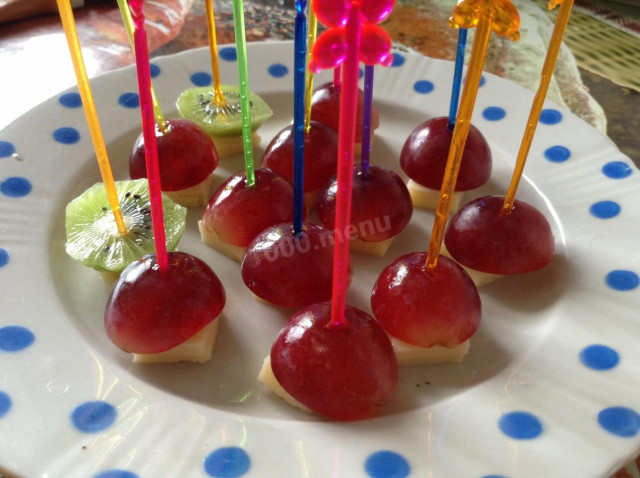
(320, 155)
(426, 307)
(290, 271)
(149, 312)
(425, 152)
(481, 238)
(325, 108)
(238, 213)
(381, 204)
(186, 155)
(342, 372)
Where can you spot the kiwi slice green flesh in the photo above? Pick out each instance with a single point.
(197, 105)
(92, 234)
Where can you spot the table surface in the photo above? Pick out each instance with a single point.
(36, 63)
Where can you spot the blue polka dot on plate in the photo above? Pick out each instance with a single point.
(520, 425)
(116, 474)
(557, 154)
(620, 421)
(5, 403)
(398, 60)
(278, 70)
(605, 209)
(6, 149)
(201, 78)
(95, 416)
(616, 170)
(15, 187)
(66, 135)
(4, 257)
(387, 464)
(227, 462)
(228, 53)
(423, 87)
(599, 357)
(493, 113)
(550, 116)
(129, 100)
(14, 338)
(70, 100)
(622, 280)
(155, 70)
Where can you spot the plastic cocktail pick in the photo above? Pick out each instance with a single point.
(68, 23)
(336, 76)
(312, 29)
(457, 77)
(245, 102)
(538, 100)
(346, 46)
(502, 17)
(367, 108)
(218, 97)
(299, 66)
(346, 139)
(128, 25)
(149, 132)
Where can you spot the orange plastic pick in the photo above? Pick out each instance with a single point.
(538, 100)
(218, 97)
(68, 23)
(502, 17)
(128, 26)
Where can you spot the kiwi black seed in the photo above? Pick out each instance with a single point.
(197, 105)
(92, 234)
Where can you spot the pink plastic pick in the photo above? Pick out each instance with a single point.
(346, 138)
(149, 132)
(345, 46)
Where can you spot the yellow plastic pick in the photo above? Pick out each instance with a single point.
(129, 27)
(538, 100)
(502, 17)
(68, 23)
(218, 97)
(308, 92)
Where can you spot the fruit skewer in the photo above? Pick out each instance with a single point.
(514, 237)
(367, 108)
(424, 154)
(300, 251)
(304, 152)
(312, 32)
(299, 94)
(457, 77)
(380, 197)
(163, 308)
(427, 301)
(218, 96)
(506, 25)
(245, 101)
(129, 28)
(354, 370)
(536, 108)
(68, 23)
(148, 130)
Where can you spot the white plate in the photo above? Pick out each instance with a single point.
(174, 420)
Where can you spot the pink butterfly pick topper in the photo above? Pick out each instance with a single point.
(330, 49)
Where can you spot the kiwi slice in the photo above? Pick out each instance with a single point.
(197, 105)
(92, 234)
